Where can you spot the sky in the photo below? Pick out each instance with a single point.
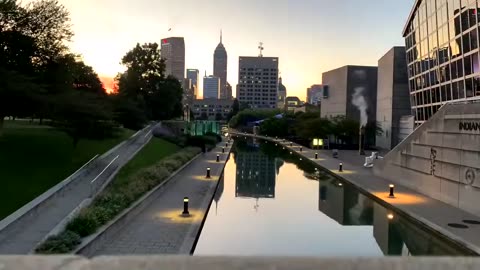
(309, 36)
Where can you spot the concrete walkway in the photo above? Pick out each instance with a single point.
(24, 235)
(159, 228)
(428, 211)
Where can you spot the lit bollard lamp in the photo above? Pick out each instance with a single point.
(301, 149)
(316, 155)
(208, 173)
(185, 207)
(340, 167)
(392, 194)
(218, 158)
(223, 149)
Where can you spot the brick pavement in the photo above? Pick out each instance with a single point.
(159, 227)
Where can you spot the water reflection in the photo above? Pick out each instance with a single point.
(299, 210)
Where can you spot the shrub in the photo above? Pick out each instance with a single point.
(172, 164)
(61, 243)
(217, 137)
(84, 224)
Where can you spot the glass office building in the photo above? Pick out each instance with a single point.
(442, 43)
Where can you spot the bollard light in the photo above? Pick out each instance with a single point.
(283, 148)
(340, 167)
(301, 149)
(226, 145)
(290, 153)
(185, 206)
(218, 158)
(275, 144)
(300, 159)
(340, 184)
(223, 149)
(392, 187)
(208, 173)
(291, 144)
(316, 155)
(390, 216)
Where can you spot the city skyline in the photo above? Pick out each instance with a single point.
(308, 36)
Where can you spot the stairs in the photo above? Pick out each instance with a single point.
(441, 158)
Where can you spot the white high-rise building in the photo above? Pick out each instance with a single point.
(211, 87)
(258, 81)
(173, 51)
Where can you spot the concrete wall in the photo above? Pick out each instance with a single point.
(336, 103)
(439, 159)
(233, 263)
(393, 100)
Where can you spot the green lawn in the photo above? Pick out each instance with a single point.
(154, 151)
(34, 158)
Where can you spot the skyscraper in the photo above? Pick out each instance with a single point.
(173, 51)
(211, 87)
(258, 81)
(220, 68)
(314, 94)
(193, 75)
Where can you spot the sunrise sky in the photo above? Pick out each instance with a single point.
(309, 36)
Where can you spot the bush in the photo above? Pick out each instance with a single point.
(84, 224)
(114, 200)
(62, 243)
(217, 137)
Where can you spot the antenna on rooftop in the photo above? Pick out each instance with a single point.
(260, 47)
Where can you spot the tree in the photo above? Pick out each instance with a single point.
(345, 129)
(274, 127)
(310, 128)
(235, 109)
(145, 80)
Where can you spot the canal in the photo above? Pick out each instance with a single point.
(269, 202)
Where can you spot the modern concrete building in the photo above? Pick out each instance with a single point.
(441, 157)
(291, 103)
(393, 96)
(258, 81)
(211, 87)
(351, 91)
(220, 60)
(194, 76)
(282, 94)
(441, 40)
(173, 51)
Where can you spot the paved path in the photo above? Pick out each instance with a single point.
(431, 212)
(23, 236)
(159, 227)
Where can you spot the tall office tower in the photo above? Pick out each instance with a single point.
(220, 68)
(211, 87)
(173, 51)
(258, 81)
(314, 94)
(193, 75)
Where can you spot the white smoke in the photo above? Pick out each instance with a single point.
(361, 103)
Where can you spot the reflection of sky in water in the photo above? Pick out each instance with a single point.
(288, 224)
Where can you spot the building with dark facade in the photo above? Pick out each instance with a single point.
(194, 76)
(282, 94)
(393, 97)
(351, 91)
(258, 81)
(441, 38)
(220, 61)
(211, 87)
(173, 51)
(212, 109)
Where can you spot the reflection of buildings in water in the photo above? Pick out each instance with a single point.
(344, 204)
(256, 175)
(401, 237)
(219, 192)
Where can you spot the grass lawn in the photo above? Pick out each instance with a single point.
(34, 158)
(154, 151)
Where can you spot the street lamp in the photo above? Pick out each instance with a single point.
(185, 207)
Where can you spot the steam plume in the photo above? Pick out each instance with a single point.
(359, 101)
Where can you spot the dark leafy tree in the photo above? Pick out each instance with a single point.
(274, 127)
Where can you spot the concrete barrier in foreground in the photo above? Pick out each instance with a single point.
(234, 263)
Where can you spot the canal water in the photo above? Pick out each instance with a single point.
(269, 202)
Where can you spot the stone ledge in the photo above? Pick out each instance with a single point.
(234, 263)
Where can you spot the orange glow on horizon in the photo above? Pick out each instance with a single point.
(109, 84)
